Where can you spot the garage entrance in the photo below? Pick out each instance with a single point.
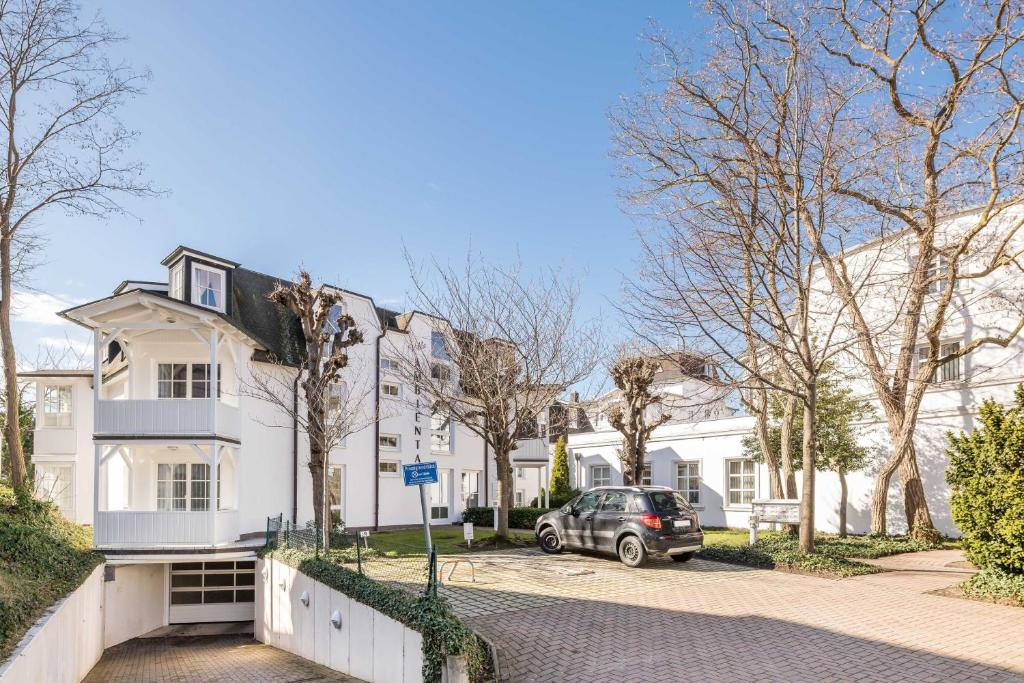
(212, 591)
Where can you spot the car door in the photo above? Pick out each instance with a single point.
(608, 518)
(578, 524)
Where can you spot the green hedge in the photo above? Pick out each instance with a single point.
(43, 557)
(995, 586)
(443, 633)
(518, 518)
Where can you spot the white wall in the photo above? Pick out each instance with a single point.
(69, 445)
(369, 645)
(135, 602)
(65, 643)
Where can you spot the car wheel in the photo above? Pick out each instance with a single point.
(682, 557)
(549, 541)
(632, 552)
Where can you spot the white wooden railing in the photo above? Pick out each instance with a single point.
(134, 528)
(531, 449)
(165, 417)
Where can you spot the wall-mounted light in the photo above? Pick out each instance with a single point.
(336, 619)
(304, 598)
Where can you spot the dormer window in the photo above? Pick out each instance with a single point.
(208, 287)
(331, 325)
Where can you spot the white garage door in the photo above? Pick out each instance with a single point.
(212, 591)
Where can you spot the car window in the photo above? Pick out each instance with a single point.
(614, 502)
(668, 501)
(587, 502)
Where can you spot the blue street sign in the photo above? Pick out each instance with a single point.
(420, 473)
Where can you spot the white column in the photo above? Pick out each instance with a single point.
(96, 489)
(547, 487)
(213, 379)
(214, 488)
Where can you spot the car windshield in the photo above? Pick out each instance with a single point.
(669, 501)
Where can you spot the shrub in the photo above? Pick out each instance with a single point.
(986, 474)
(560, 488)
(997, 586)
(518, 518)
(7, 497)
(556, 501)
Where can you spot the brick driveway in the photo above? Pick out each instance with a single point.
(202, 659)
(552, 621)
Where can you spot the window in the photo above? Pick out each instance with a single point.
(176, 286)
(440, 493)
(587, 502)
(470, 489)
(335, 404)
(614, 502)
(389, 441)
(939, 267)
(56, 483)
(207, 287)
(185, 380)
(331, 325)
(688, 481)
(520, 498)
(437, 345)
(388, 468)
(390, 389)
(741, 481)
(600, 475)
(440, 371)
(57, 406)
(221, 582)
(388, 364)
(440, 432)
(335, 488)
(520, 473)
(542, 424)
(945, 372)
(645, 476)
(181, 487)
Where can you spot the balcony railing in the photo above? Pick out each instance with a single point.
(150, 528)
(165, 417)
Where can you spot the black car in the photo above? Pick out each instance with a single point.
(631, 522)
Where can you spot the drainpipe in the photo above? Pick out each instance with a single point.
(376, 437)
(487, 490)
(295, 447)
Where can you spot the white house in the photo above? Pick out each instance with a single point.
(165, 449)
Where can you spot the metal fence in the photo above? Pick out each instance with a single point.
(409, 567)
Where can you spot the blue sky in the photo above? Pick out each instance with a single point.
(328, 134)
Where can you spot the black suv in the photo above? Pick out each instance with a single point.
(629, 521)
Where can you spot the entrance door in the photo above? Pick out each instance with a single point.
(470, 489)
(212, 591)
(441, 497)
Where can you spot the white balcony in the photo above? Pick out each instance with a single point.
(531, 450)
(149, 528)
(166, 417)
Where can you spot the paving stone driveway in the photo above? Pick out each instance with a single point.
(706, 621)
(206, 659)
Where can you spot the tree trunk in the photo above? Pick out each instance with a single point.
(628, 460)
(807, 494)
(919, 520)
(506, 498)
(786, 446)
(774, 480)
(12, 419)
(317, 471)
(843, 494)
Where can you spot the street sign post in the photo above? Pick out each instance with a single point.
(421, 474)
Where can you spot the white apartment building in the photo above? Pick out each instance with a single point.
(163, 447)
(701, 452)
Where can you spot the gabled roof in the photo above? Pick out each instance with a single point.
(181, 249)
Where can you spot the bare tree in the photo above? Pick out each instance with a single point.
(725, 151)
(938, 131)
(633, 376)
(332, 404)
(509, 346)
(59, 98)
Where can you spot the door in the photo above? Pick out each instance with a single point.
(577, 525)
(470, 489)
(212, 591)
(608, 519)
(441, 497)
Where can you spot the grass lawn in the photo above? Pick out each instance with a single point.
(43, 557)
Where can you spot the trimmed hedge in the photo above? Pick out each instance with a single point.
(443, 633)
(43, 557)
(518, 518)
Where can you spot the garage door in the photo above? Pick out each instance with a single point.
(212, 591)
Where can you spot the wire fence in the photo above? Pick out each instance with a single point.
(409, 567)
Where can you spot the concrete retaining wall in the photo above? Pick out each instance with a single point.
(368, 645)
(135, 602)
(65, 643)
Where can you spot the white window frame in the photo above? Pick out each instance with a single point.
(605, 481)
(388, 364)
(741, 489)
(387, 473)
(940, 374)
(647, 475)
(188, 380)
(396, 437)
(445, 435)
(176, 281)
(466, 493)
(339, 507)
(936, 267)
(189, 480)
(61, 419)
(396, 385)
(222, 299)
(520, 498)
(700, 481)
(67, 489)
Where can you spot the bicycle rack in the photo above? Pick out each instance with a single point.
(454, 565)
